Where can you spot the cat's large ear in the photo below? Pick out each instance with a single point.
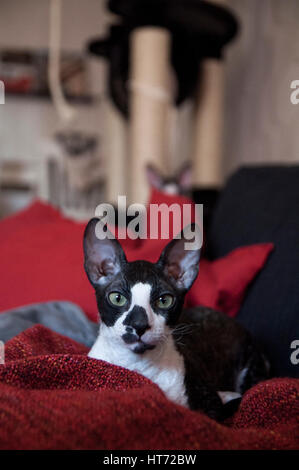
(154, 177)
(184, 177)
(104, 256)
(180, 258)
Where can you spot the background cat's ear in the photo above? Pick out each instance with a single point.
(184, 177)
(179, 264)
(154, 177)
(103, 258)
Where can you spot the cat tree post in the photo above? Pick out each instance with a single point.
(149, 106)
(116, 151)
(157, 35)
(208, 127)
(209, 123)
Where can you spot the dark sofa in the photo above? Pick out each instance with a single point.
(261, 204)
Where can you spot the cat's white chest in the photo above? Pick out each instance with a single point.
(163, 365)
(168, 372)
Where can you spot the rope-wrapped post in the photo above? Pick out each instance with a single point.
(209, 117)
(149, 106)
(208, 126)
(116, 153)
(158, 36)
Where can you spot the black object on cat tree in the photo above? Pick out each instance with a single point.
(199, 30)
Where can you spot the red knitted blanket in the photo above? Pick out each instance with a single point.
(53, 397)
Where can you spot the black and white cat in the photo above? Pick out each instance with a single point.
(200, 358)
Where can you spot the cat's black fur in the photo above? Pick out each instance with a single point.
(216, 350)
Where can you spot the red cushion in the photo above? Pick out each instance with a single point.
(42, 259)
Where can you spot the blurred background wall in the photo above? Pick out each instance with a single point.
(261, 124)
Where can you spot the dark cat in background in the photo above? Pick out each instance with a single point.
(181, 184)
(178, 183)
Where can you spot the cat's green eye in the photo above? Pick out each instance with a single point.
(165, 301)
(117, 299)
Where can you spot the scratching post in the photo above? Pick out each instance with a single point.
(208, 126)
(149, 106)
(157, 35)
(209, 122)
(116, 153)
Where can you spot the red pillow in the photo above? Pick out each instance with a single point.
(42, 259)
